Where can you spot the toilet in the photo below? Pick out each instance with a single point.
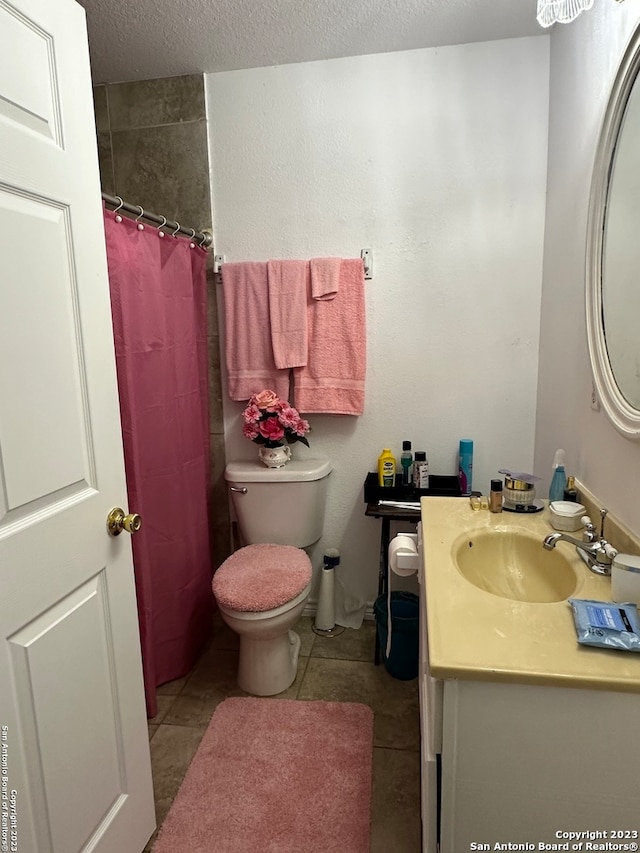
(262, 588)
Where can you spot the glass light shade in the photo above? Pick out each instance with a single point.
(560, 11)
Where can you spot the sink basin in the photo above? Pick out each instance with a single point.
(513, 564)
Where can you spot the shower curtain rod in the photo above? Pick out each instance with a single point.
(204, 238)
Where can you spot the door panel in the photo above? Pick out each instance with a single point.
(31, 102)
(39, 329)
(46, 658)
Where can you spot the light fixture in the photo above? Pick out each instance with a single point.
(561, 11)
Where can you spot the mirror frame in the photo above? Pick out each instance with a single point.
(624, 417)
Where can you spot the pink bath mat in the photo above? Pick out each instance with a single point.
(276, 776)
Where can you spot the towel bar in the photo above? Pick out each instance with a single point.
(365, 254)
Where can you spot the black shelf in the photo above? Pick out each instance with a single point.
(441, 486)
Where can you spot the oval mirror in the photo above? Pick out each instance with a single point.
(613, 251)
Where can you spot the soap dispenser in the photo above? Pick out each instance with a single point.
(559, 478)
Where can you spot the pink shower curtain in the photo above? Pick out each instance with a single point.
(158, 302)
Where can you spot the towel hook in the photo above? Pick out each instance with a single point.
(367, 260)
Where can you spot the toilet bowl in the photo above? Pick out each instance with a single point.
(262, 588)
(269, 650)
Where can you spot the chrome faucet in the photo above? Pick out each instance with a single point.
(594, 550)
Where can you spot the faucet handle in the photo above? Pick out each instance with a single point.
(589, 529)
(603, 515)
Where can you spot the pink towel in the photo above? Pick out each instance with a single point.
(288, 311)
(333, 380)
(325, 277)
(250, 364)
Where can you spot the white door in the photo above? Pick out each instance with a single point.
(74, 757)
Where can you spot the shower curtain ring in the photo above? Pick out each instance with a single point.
(177, 229)
(118, 217)
(140, 225)
(192, 245)
(159, 228)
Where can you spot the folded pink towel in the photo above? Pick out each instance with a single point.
(250, 364)
(325, 277)
(332, 382)
(288, 311)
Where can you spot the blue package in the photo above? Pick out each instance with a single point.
(607, 624)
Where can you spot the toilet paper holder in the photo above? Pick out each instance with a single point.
(404, 555)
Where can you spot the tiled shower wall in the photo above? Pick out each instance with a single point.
(152, 145)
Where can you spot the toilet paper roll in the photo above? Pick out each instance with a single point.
(403, 555)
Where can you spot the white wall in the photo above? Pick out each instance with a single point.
(584, 59)
(436, 161)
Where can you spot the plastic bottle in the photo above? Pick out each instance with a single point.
(386, 468)
(421, 470)
(559, 478)
(571, 493)
(495, 496)
(406, 461)
(465, 466)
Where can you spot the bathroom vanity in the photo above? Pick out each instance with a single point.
(526, 735)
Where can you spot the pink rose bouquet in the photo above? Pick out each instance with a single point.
(273, 422)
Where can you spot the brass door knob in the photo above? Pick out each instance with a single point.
(117, 521)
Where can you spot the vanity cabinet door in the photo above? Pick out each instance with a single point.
(522, 762)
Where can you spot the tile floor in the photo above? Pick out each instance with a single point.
(339, 669)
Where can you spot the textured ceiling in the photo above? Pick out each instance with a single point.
(145, 39)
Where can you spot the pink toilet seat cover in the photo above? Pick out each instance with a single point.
(261, 577)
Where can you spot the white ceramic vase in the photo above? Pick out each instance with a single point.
(275, 457)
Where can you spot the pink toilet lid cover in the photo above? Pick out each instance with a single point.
(261, 577)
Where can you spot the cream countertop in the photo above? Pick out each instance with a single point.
(476, 635)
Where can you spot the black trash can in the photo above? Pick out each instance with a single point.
(402, 662)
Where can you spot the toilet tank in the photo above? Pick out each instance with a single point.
(284, 506)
